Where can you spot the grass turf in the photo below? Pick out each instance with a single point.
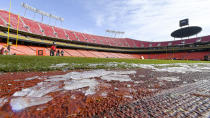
(43, 63)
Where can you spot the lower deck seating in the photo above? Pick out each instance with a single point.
(32, 50)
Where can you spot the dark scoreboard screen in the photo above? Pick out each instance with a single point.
(183, 22)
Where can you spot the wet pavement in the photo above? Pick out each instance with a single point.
(131, 93)
(192, 100)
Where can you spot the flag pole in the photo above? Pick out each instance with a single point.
(9, 23)
(17, 29)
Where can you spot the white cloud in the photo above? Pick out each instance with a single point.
(99, 20)
(150, 20)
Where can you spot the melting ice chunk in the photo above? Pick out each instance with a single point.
(39, 90)
(20, 103)
(77, 84)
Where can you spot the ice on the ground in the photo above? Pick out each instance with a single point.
(128, 96)
(41, 89)
(3, 101)
(206, 115)
(141, 76)
(20, 103)
(32, 78)
(179, 67)
(59, 65)
(77, 84)
(104, 94)
(87, 74)
(35, 95)
(173, 79)
(121, 78)
(73, 97)
(173, 67)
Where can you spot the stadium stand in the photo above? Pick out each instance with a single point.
(60, 33)
(33, 26)
(48, 30)
(82, 44)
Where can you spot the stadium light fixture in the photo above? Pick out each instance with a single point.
(115, 33)
(42, 13)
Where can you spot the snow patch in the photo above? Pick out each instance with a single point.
(59, 65)
(173, 79)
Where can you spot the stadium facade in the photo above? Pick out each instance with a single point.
(35, 38)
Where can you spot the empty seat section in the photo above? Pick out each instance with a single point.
(117, 42)
(137, 43)
(105, 40)
(86, 53)
(112, 42)
(129, 56)
(13, 20)
(197, 55)
(116, 55)
(163, 44)
(98, 54)
(176, 43)
(60, 33)
(48, 31)
(107, 55)
(144, 44)
(71, 35)
(33, 26)
(191, 41)
(74, 53)
(206, 39)
(22, 50)
(130, 42)
(89, 38)
(2, 22)
(97, 39)
(122, 55)
(137, 56)
(80, 37)
(100, 40)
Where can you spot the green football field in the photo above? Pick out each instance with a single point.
(45, 63)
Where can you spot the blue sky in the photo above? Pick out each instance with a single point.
(147, 20)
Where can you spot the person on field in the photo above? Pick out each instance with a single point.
(9, 47)
(2, 51)
(62, 52)
(58, 53)
(53, 49)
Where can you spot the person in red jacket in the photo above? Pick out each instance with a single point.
(53, 50)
